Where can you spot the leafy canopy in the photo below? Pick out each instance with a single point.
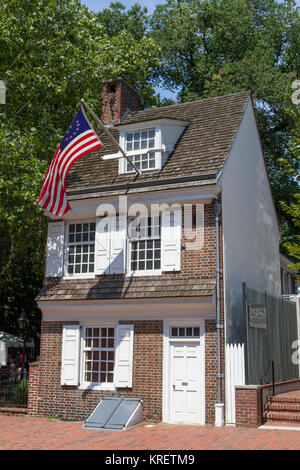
(52, 53)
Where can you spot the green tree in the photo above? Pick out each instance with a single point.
(52, 53)
(213, 47)
(116, 19)
(292, 167)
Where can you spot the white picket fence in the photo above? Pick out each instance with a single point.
(234, 375)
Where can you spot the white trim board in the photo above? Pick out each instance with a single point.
(173, 308)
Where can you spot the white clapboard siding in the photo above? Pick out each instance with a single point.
(102, 245)
(55, 249)
(117, 245)
(235, 375)
(70, 355)
(124, 356)
(171, 240)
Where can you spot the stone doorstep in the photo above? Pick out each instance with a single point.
(6, 410)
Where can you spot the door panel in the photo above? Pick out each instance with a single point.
(185, 382)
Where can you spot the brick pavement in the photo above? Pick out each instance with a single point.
(24, 432)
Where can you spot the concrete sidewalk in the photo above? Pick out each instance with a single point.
(24, 432)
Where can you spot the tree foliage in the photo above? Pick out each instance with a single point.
(292, 167)
(52, 53)
(212, 47)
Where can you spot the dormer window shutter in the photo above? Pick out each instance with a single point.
(171, 229)
(55, 249)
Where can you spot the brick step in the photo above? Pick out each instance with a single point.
(286, 416)
(284, 399)
(282, 406)
(9, 410)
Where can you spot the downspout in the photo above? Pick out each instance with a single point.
(219, 406)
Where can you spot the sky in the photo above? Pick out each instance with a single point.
(97, 5)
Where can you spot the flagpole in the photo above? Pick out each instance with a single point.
(108, 133)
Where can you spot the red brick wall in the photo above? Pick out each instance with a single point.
(195, 264)
(49, 398)
(72, 403)
(33, 387)
(248, 406)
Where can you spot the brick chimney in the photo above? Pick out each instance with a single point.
(117, 98)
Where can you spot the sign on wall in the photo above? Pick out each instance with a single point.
(258, 316)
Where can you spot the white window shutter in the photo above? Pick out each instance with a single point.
(102, 246)
(171, 228)
(55, 249)
(124, 356)
(117, 246)
(70, 355)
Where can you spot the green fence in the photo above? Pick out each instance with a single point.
(271, 329)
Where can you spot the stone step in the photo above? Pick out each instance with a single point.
(282, 406)
(286, 416)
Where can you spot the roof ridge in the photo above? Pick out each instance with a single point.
(246, 93)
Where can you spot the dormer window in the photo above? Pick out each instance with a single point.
(140, 141)
(147, 144)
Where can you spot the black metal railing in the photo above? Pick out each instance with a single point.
(13, 388)
(266, 374)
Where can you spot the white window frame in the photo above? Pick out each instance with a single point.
(135, 153)
(96, 385)
(90, 275)
(145, 272)
(157, 148)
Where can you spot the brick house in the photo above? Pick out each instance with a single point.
(153, 312)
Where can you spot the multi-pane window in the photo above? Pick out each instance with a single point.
(81, 248)
(145, 161)
(99, 354)
(144, 245)
(185, 332)
(141, 140)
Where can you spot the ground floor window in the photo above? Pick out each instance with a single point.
(99, 354)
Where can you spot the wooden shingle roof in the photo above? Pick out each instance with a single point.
(133, 288)
(201, 149)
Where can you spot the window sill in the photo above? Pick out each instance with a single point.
(144, 273)
(79, 276)
(89, 386)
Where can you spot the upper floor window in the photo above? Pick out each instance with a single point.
(140, 141)
(145, 245)
(81, 248)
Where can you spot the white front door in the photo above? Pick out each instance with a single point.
(186, 382)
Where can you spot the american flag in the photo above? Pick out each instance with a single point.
(79, 140)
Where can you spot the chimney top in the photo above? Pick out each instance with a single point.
(118, 98)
